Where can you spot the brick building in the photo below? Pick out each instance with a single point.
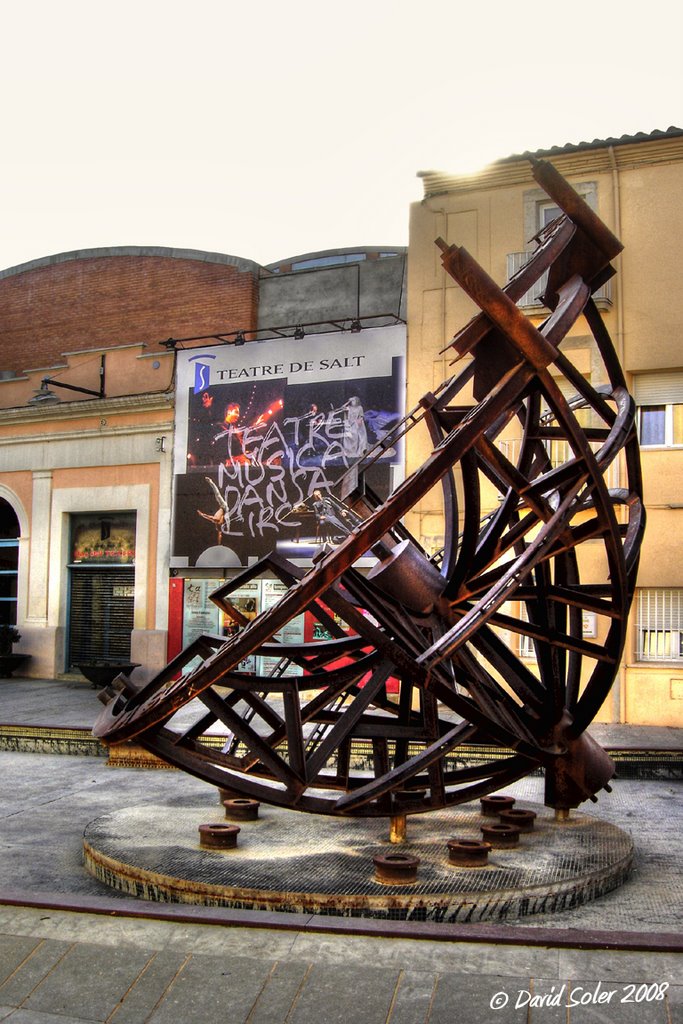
(89, 344)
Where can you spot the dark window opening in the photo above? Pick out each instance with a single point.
(9, 563)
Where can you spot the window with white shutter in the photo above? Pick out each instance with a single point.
(659, 397)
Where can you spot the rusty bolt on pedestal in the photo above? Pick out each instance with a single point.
(395, 868)
(491, 806)
(217, 836)
(501, 837)
(523, 820)
(468, 853)
(398, 829)
(241, 809)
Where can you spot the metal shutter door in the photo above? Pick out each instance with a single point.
(100, 613)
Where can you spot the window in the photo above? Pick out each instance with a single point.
(9, 563)
(659, 625)
(661, 425)
(547, 213)
(331, 260)
(659, 397)
(539, 212)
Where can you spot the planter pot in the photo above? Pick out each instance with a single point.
(102, 673)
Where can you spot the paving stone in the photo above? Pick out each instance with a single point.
(413, 997)
(149, 988)
(504, 961)
(611, 966)
(427, 955)
(5, 1011)
(13, 951)
(339, 994)
(32, 971)
(279, 993)
(674, 1002)
(213, 988)
(147, 933)
(38, 1017)
(544, 1000)
(92, 979)
(477, 999)
(613, 1002)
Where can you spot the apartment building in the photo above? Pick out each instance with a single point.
(634, 183)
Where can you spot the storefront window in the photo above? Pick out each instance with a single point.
(103, 538)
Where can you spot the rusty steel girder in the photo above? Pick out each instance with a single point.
(484, 642)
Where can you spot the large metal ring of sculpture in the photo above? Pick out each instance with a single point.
(484, 643)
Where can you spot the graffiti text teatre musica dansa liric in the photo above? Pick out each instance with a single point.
(265, 474)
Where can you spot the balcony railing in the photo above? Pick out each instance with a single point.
(532, 298)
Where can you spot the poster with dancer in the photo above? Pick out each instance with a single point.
(263, 432)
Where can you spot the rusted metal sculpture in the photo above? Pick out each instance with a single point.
(444, 627)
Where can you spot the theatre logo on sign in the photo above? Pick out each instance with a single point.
(264, 430)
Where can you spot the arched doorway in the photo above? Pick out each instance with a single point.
(9, 563)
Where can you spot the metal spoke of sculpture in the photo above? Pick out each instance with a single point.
(483, 643)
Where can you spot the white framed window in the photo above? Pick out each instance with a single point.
(659, 397)
(540, 210)
(659, 624)
(527, 650)
(661, 425)
(547, 213)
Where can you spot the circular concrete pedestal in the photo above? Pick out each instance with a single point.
(311, 864)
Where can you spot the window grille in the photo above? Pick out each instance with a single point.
(659, 625)
(101, 613)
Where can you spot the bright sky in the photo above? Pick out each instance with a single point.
(266, 130)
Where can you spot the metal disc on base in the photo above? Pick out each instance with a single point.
(318, 865)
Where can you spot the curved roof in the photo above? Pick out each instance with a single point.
(105, 252)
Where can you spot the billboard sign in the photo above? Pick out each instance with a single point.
(264, 430)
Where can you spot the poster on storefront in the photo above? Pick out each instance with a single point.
(247, 601)
(199, 614)
(265, 429)
(291, 633)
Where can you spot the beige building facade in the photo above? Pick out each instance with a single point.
(634, 183)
